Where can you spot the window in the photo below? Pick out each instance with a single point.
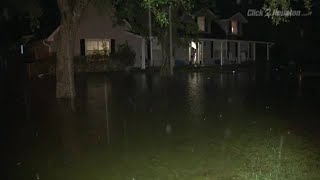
(93, 45)
(234, 27)
(201, 23)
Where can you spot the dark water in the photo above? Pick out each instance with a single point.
(139, 126)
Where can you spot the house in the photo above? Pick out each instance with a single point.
(96, 31)
(221, 41)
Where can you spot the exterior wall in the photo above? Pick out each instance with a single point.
(181, 54)
(40, 51)
(244, 51)
(225, 25)
(157, 53)
(95, 26)
(207, 59)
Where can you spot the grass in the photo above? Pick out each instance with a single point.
(250, 156)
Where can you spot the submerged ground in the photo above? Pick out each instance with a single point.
(138, 126)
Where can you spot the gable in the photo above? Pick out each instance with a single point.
(94, 24)
(206, 13)
(239, 18)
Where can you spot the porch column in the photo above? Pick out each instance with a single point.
(248, 51)
(254, 51)
(227, 51)
(221, 53)
(268, 52)
(198, 53)
(151, 52)
(239, 51)
(189, 49)
(143, 54)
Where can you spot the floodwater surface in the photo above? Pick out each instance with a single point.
(139, 126)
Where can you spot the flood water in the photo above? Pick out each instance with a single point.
(139, 126)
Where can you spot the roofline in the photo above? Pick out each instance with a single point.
(51, 37)
(207, 9)
(230, 40)
(246, 20)
(133, 34)
(228, 19)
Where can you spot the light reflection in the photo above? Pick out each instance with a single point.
(196, 94)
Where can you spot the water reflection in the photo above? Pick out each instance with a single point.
(120, 120)
(196, 95)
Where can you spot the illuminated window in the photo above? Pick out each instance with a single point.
(93, 45)
(234, 27)
(201, 23)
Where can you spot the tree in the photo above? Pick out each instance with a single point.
(71, 12)
(284, 5)
(160, 9)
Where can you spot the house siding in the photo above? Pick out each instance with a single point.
(95, 25)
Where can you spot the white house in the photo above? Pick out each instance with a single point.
(220, 42)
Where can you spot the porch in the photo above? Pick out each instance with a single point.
(223, 52)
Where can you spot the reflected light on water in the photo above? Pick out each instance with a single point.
(196, 94)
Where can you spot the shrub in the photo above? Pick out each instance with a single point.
(125, 55)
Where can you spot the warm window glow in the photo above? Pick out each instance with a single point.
(234, 27)
(201, 23)
(97, 44)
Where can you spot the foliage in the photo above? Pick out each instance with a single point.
(125, 55)
(271, 6)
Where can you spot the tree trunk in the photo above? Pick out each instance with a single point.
(166, 69)
(70, 19)
(65, 87)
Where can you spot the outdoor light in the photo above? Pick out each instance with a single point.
(21, 49)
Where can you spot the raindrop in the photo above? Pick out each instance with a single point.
(267, 108)
(41, 76)
(227, 133)
(168, 129)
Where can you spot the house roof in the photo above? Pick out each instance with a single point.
(238, 16)
(187, 18)
(205, 12)
(52, 35)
